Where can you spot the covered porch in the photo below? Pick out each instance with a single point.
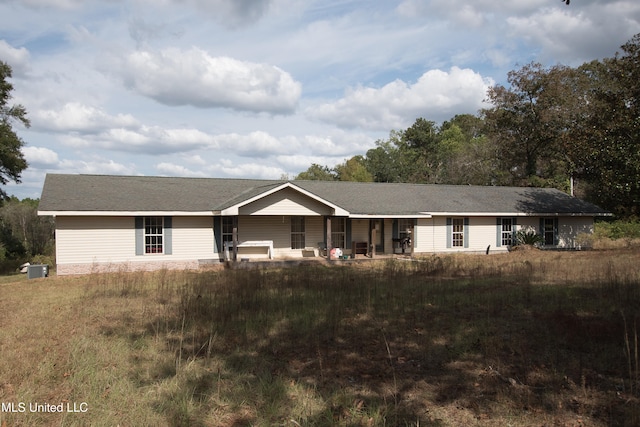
(292, 237)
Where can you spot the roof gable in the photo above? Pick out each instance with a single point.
(283, 199)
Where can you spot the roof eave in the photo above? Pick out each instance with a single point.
(124, 213)
(520, 214)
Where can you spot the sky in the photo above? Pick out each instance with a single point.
(265, 88)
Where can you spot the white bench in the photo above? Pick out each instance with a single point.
(249, 244)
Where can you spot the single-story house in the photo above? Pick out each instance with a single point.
(106, 222)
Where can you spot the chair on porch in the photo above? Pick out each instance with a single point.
(322, 248)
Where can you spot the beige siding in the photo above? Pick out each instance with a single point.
(424, 236)
(82, 240)
(286, 202)
(192, 237)
(360, 230)
(431, 234)
(94, 239)
(483, 234)
(570, 228)
(277, 229)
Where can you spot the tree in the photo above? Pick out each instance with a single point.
(384, 162)
(606, 136)
(353, 169)
(527, 123)
(467, 155)
(23, 231)
(316, 172)
(12, 161)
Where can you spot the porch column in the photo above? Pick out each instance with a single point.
(329, 244)
(373, 242)
(234, 237)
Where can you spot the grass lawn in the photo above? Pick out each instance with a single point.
(530, 338)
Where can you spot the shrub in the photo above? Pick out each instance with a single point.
(528, 237)
(619, 229)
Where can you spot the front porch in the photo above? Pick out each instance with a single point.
(262, 237)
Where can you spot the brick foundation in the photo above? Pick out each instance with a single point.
(67, 269)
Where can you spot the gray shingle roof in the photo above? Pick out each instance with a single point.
(108, 193)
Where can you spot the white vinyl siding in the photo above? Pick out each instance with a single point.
(431, 235)
(424, 236)
(569, 228)
(86, 240)
(286, 202)
(360, 230)
(192, 237)
(278, 229)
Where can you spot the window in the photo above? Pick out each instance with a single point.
(153, 234)
(227, 229)
(549, 231)
(457, 232)
(338, 229)
(507, 232)
(297, 232)
(405, 227)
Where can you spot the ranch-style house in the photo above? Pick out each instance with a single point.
(106, 223)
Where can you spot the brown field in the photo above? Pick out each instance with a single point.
(529, 338)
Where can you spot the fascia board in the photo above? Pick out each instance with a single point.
(379, 216)
(124, 213)
(517, 214)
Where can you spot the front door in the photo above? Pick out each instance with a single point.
(378, 240)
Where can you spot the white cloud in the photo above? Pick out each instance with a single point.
(98, 166)
(172, 169)
(193, 77)
(144, 140)
(77, 117)
(255, 144)
(578, 36)
(244, 170)
(40, 156)
(18, 58)
(55, 4)
(436, 95)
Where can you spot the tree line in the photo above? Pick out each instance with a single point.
(549, 127)
(24, 236)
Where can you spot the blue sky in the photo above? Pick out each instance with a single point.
(265, 88)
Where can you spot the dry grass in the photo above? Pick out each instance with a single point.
(520, 339)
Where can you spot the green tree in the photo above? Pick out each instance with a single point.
(527, 122)
(316, 172)
(419, 149)
(12, 161)
(24, 232)
(384, 162)
(605, 137)
(353, 169)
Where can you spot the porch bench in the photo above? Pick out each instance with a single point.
(249, 244)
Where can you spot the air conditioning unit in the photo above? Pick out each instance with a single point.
(37, 270)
